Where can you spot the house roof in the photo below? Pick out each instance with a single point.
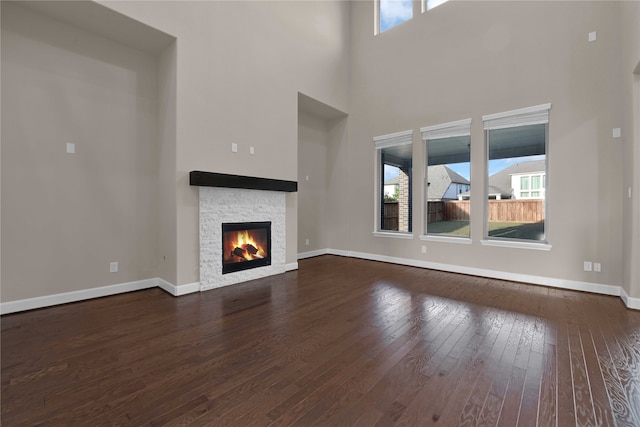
(393, 181)
(440, 177)
(500, 182)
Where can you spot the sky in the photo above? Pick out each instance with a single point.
(393, 12)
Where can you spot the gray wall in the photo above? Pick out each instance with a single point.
(142, 121)
(65, 217)
(468, 59)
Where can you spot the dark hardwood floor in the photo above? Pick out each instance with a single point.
(340, 342)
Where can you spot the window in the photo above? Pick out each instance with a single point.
(395, 160)
(393, 12)
(529, 186)
(517, 174)
(447, 180)
(430, 4)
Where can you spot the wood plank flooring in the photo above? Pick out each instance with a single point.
(340, 342)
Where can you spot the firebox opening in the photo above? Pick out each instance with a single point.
(245, 245)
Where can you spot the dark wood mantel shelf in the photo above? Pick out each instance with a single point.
(212, 179)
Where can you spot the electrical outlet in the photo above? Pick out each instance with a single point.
(71, 148)
(306, 242)
(113, 267)
(424, 249)
(588, 266)
(597, 267)
(234, 147)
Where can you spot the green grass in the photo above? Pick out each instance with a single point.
(512, 230)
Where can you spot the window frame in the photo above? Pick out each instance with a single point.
(538, 114)
(452, 129)
(379, 143)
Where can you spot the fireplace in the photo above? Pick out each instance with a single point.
(229, 199)
(245, 245)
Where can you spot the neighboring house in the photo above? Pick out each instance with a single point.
(526, 180)
(391, 185)
(445, 184)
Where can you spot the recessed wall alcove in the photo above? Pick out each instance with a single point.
(81, 75)
(322, 177)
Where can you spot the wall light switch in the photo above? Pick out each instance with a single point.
(587, 266)
(234, 147)
(424, 249)
(307, 178)
(71, 148)
(306, 242)
(597, 267)
(252, 150)
(617, 132)
(592, 36)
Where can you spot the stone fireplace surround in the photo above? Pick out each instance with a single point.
(232, 198)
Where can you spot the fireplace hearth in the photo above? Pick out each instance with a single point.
(245, 245)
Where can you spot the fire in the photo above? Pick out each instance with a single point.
(246, 247)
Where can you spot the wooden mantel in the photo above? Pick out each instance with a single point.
(213, 179)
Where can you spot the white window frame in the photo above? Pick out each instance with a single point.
(440, 131)
(380, 142)
(538, 114)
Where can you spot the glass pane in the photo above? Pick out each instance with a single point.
(535, 182)
(434, 3)
(448, 187)
(517, 165)
(395, 209)
(394, 12)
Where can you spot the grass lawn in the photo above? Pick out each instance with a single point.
(513, 230)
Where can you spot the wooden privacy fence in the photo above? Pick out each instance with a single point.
(391, 214)
(516, 210)
(499, 211)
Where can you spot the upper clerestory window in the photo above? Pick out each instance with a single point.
(430, 4)
(393, 12)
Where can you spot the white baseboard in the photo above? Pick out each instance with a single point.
(179, 290)
(291, 266)
(311, 254)
(629, 301)
(67, 297)
(598, 288)
(103, 291)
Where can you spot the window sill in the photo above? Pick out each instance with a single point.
(517, 245)
(446, 239)
(393, 234)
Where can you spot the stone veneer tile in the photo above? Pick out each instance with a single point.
(218, 205)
